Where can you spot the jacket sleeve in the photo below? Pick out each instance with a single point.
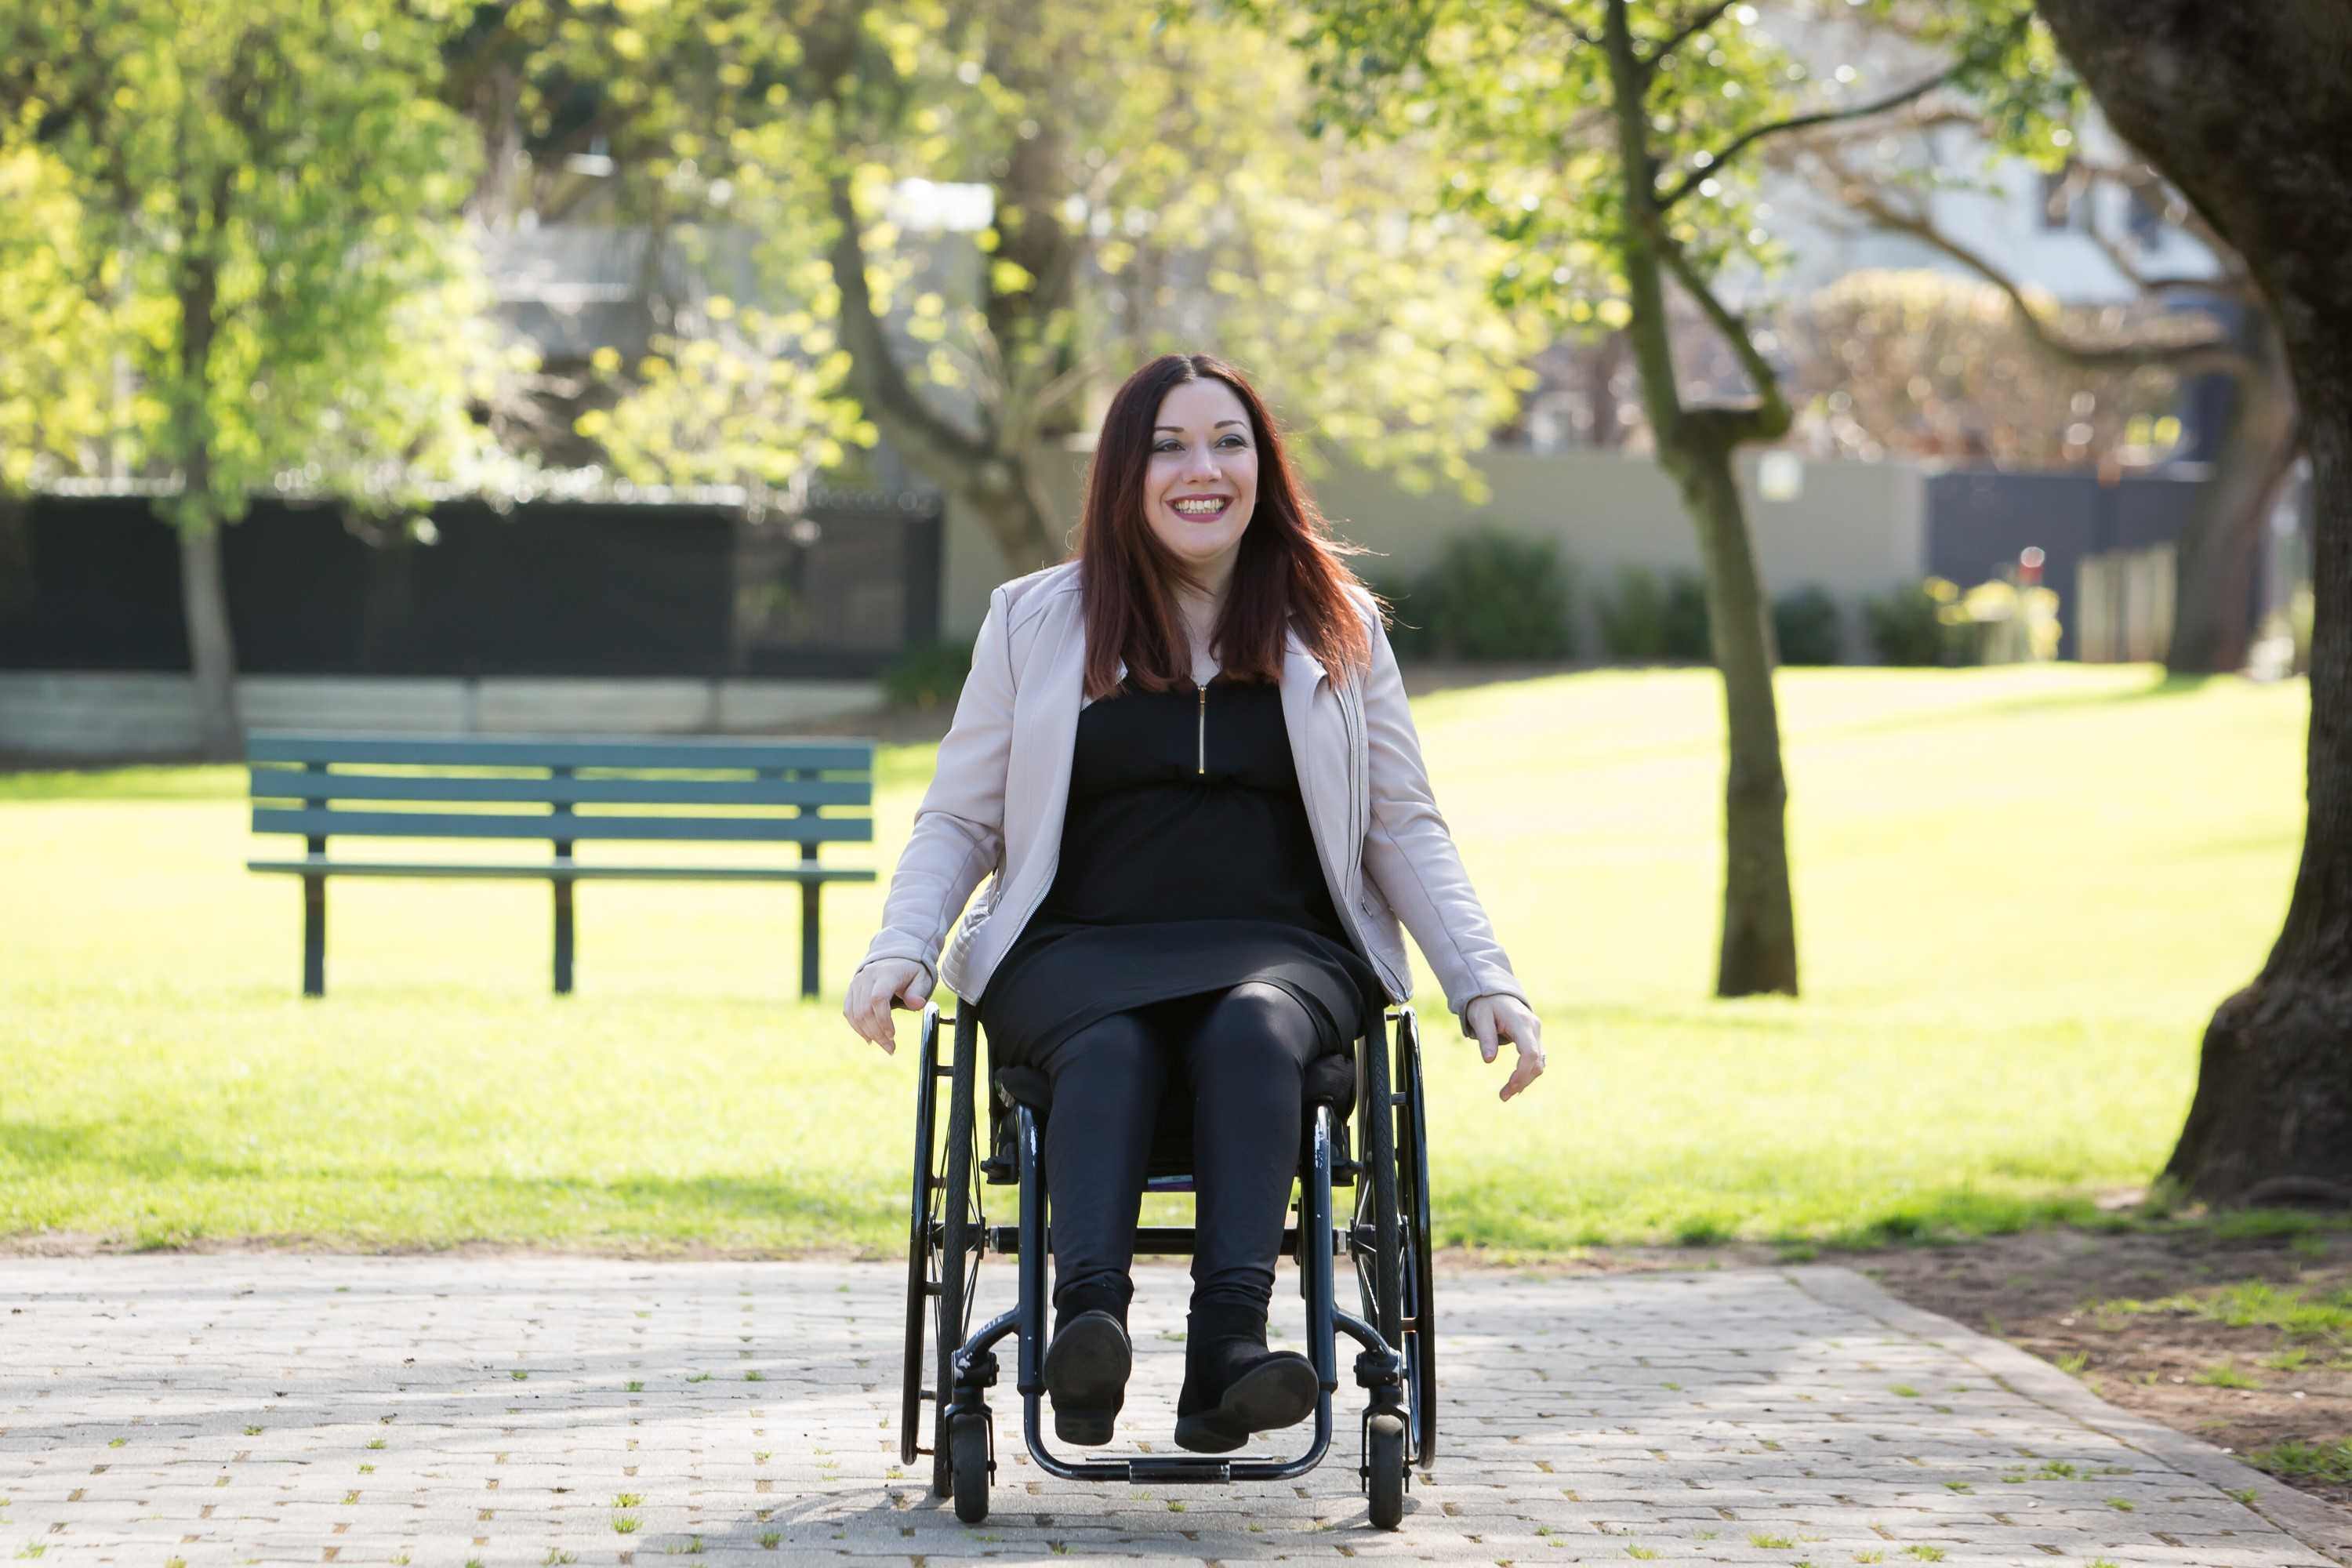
(957, 836)
(1409, 852)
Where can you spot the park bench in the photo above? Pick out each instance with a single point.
(772, 789)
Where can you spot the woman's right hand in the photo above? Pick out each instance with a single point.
(874, 990)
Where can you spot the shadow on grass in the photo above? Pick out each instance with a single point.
(344, 1203)
(1494, 1219)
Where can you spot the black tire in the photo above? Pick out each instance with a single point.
(968, 1443)
(920, 1254)
(1380, 1273)
(1384, 1458)
(958, 1231)
(1421, 1268)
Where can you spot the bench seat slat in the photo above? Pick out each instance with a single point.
(296, 783)
(316, 822)
(554, 871)
(527, 751)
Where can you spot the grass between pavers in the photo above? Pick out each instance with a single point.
(2020, 894)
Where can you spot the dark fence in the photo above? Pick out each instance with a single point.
(549, 589)
(1980, 520)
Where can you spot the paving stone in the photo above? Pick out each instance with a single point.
(216, 1409)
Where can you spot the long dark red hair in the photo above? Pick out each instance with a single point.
(1290, 569)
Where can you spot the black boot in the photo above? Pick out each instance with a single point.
(1087, 1360)
(1233, 1385)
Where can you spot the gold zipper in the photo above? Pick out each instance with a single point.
(1202, 766)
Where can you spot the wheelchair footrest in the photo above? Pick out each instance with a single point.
(1152, 1471)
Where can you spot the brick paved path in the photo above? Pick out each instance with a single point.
(198, 1410)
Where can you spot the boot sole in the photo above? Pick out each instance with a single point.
(1087, 1366)
(1264, 1399)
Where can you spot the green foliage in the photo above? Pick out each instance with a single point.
(1912, 625)
(1126, 222)
(927, 675)
(256, 204)
(2298, 1460)
(56, 406)
(1805, 627)
(1648, 619)
(1491, 596)
(738, 410)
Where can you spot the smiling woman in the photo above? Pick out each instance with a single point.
(1197, 815)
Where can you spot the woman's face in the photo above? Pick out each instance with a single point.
(1202, 450)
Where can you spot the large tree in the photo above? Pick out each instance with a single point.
(2247, 110)
(255, 195)
(1602, 140)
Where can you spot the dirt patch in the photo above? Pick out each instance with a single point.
(2052, 1293)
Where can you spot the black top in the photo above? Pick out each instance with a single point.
(1187, 865)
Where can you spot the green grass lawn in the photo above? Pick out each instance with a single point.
(2020, 894)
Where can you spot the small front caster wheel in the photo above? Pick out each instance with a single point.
(967, 1457)
(1384, 1461)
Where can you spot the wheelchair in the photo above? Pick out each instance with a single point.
(951, 1365)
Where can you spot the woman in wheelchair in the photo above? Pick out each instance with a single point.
(1186, 756)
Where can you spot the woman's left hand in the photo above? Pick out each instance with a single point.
(1501, 1018)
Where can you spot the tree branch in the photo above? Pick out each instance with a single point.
(1806, 121)
(1690, 181)
(2212, 353)
(874, 372)
(1769, 418)
(1559, 13)
(1687, 31)
(2143, 179)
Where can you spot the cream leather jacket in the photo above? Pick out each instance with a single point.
(994, 807)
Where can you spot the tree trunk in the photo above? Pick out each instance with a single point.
(212, 653)
(2272, 1121)
(2211, 615)
(995, 484)
(1759, 952)
(2230, 103)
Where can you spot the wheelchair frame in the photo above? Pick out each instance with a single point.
(951, 1365)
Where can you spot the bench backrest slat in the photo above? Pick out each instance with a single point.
(315, 822)
(297, 783)
(569, 751)
(774, 787)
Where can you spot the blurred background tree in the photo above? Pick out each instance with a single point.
(2183, 325)
(1601, 141)
(254, 245)
(1150, 189)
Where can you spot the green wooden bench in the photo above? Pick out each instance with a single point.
(782, 783)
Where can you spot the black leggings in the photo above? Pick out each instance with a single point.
(1242, 1055)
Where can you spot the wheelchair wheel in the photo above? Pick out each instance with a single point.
(968, 1445)
(1384, 1470)
(1420, 1269)
(943, 1247)
(1375, 1238)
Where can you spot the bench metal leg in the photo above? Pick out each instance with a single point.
(563, 936)
(314, 936)
(809, 891)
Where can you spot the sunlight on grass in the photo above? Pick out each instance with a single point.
(2020, 894)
